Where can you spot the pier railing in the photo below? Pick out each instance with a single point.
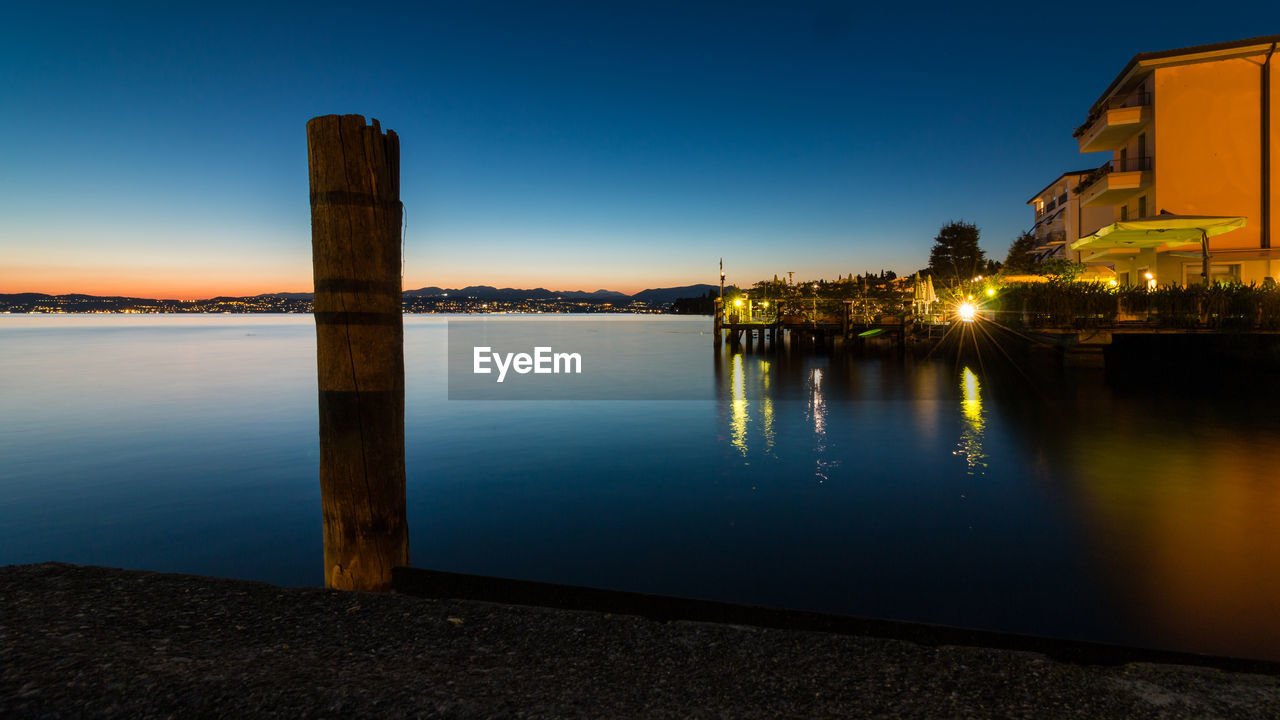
(809, 311)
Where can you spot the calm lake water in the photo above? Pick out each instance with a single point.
(1014, 497)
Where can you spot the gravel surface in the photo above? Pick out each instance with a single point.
(99, 642)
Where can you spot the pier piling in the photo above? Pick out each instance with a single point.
(356, 217)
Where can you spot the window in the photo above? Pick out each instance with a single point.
(1217, 273)
(1142, 206)
(1124, 213)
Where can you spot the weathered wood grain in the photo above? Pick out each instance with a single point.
(355, 243)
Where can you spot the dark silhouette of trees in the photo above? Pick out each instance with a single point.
(1019, 259)
(956, 256)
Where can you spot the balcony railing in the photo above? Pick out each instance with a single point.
(1048, 219)
(1137, 99)
(1137, 164)
(1050, 238)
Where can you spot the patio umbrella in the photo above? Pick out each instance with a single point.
(930, 296)
(1163, 230)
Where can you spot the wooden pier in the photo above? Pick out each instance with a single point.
(772, 324)
(800, 322)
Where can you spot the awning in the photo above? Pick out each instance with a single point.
(1106, 255)
(1163, 230)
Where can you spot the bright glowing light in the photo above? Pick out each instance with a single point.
(1112, 282)
(967, 311)
(991, 292)
(764, 304)
(1148, 276)
(738, 303)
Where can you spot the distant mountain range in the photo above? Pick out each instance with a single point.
(653, 296)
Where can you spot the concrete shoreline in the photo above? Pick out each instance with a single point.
(99, 642)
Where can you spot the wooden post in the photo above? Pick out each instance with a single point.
(717, 322)
(1204, 276)
(355, 254)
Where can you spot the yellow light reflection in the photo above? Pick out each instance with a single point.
(974, 423)
(738, 410)
(766, 407)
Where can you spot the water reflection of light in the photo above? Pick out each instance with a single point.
(974, 423)
(816, 403)
(925, 381)
(1184, 519)
(766, 407)
(818, 407)
(738, 410)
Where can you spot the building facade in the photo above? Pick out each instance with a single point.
(1060, 219)
(1191, 131)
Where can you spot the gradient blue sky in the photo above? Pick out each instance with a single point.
(160, 149)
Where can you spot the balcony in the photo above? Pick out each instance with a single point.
(1052, 209)
(1110, 129)
(1116, 182)
(1049, 220)
(1050, 239)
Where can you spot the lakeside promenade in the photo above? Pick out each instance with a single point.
(98, 642)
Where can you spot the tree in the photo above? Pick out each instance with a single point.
(1019, 258)
(956, 255)
(1061, 269)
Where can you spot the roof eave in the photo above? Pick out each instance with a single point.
(1146, 60)
(1069, 173)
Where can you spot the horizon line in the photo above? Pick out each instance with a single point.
(186, 297)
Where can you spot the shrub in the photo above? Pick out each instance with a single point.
(1076, 304)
